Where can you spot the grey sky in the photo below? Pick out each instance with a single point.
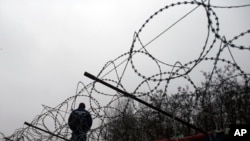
(46, 45)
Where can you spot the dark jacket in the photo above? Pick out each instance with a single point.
(80, 121)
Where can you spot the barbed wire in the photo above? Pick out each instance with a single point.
(125, 73)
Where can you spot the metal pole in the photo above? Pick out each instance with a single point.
(143, 102)
(46, 131)
(7, 139)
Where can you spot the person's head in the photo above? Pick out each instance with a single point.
(82, 106)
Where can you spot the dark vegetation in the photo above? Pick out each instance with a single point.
(222, 99)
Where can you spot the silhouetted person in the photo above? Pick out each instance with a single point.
(80, 122)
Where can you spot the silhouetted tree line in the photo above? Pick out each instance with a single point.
(222, 99)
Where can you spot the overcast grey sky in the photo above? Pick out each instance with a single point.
(47, 45)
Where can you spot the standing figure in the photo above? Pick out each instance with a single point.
(80, 122)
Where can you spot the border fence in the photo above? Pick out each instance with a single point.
(132, 73)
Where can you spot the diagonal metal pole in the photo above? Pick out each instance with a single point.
(46, 131)
(143, 102)
(7, 139)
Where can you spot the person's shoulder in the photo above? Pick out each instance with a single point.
(76, 111)
(73, 111)
(87, 111)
